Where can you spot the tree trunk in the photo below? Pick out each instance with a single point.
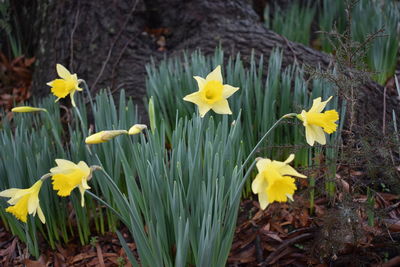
(105, 42)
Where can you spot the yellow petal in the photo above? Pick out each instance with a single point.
(318, 106)
(72, 98)
(84, 168)
(63, 72)
(319, 134)
(310, 135)
(215, 75)
(33, 203)
(228, 90)
(203, 109)
(262, 164)
(63, 165)
(41, 215)
(259, 184)
(289, 159)
(137, 128)
(289, 170)
(194, 98)
(200, 82)
(263, 200)
(9, 192)
(27, 109)
(82, 191)
(221, 107)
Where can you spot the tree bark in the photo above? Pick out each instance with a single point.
(105, 42)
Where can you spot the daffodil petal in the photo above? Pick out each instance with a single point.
(17, 196)
(82, 191)
(215, 75)
(84, 167)
(221, 107)
(318, 106)
(310, 135)
(259, 184)
(63, 72)
(319, 134)
(289, 170)
(41, 215)
(63, 166)
(263, 200)
(228, 90)
(194, 98)
(262, 164)
(203, 109)
(290, 196)
(201, 82)
(33, 203)
(289, 159)
(71, 95)
(9, 192)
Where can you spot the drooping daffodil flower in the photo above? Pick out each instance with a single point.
(67, 85)
(316, 122)
(24, 202)
(212, 93)
(68, 175)
(274, 182)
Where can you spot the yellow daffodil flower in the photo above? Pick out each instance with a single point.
(316, 123)
(68, 175)
(104, 136)
(27, 109)
(137, 128)
(212, 93)
(67, 85)
(24, 201)
(273, 181)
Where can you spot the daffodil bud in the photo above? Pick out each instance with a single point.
(27, 109)
(137, 128)
(103, 136)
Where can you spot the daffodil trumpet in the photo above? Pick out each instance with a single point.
(212, 93)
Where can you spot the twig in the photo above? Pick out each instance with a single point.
(272, 257)
(71, 60)
(384, 111)
(112, 46)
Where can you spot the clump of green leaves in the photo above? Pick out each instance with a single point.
(261, 99)
(32, 141)
(294, 22)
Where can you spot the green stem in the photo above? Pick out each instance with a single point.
(264, 137)
(105, 203)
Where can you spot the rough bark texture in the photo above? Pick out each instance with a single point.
(105, 43)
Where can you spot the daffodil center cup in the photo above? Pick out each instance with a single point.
(212, 92)
(325, 120)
